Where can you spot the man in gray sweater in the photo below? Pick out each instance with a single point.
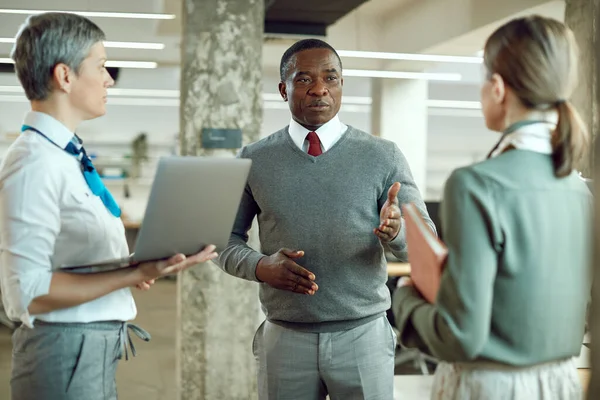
(327, 198)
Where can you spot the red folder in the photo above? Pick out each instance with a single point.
(426, 253)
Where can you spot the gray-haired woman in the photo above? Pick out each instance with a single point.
(55, 211)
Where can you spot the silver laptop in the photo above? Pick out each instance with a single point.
(193, 203)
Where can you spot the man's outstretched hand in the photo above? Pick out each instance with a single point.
(390, 216)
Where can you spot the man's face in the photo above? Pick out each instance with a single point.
(313, 87)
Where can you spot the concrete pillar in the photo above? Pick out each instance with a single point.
(589, 14)
(376, 103)
(402, 114)
(579, 16)
(582, 17)
(594, 310)
(221, 85)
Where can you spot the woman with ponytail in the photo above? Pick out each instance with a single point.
(510, 313)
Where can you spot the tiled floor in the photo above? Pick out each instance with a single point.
(151, 375)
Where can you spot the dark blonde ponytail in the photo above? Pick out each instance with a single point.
(538, 59)
(570, 140)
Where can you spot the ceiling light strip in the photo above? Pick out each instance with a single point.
(358, 100)
(144, 92)
(115, 64)
(402, 75)
(92, 14)
(114, 45)
(268, 97)
(348, 72)
(11, 89)
(457, 104)
(454, 113)
(132, 101)
(132, 64)
(166, 93)
(409, 57)
(134, 45)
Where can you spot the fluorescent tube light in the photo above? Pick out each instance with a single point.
(11, 89)
(134, 45)
(402, 75)
(409, 57)
(131, 64)
(448, 112)
(116, 64)
(114, 45)
(143, 92)
(359, 100)
(458, 104)
(13, 98)
(165, 96)
(97, 14)
(113, 92)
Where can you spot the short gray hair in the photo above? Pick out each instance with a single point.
(46, 40)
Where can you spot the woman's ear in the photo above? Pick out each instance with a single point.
(498, 94)
(62, 77)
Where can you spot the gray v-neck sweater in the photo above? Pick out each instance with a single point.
(327, 206)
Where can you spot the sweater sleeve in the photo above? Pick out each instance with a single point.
(239, 259)
(457, 326)
(409, 193)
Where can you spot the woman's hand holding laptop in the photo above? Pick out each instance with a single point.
(149, 271)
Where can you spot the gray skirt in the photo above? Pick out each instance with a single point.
(474, 381)
(69, 361)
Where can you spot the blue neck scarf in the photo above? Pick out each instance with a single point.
(75, 147)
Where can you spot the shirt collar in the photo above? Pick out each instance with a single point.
(328, 132)
(536, 137)
(50, 127)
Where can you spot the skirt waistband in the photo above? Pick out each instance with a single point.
(492, 365)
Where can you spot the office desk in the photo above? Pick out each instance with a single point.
(398, 269)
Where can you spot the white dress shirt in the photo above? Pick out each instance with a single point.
(48, 218)
(328, 133)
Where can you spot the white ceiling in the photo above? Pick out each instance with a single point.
(379, 8)
(350, 33)
(167, 32)
(475, 40)
(130, 30)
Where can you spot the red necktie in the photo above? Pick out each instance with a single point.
(314, 148)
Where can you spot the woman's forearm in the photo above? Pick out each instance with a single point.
(69, 290)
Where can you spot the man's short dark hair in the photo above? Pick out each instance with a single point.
(306, 44)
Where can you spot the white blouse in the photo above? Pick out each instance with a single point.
(50, 218)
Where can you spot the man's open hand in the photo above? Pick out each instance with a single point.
(390, 216)
(281, 272)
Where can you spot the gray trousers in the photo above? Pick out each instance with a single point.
(69, 361)
(349, 365)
